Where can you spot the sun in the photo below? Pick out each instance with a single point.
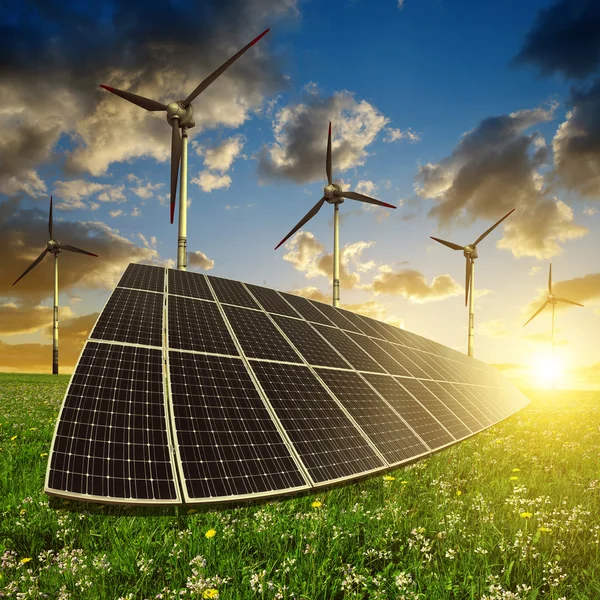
(547, 371)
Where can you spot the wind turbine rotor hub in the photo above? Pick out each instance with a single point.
(470, 252)
(184, 115)
(52, 246)
(552, 299)
(329, 191)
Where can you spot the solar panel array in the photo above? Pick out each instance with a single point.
(194, 388)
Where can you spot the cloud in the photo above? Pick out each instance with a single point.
(300, 130)
(24, 233)
(220, 158)
(588, 376)
(366, 187)
(312, 293)
(200, 260)
(494, 168)
(577, 144)
(308, 256)
(413, 286)
(564, 39)
(115, 213)
(590, 211)
(51, 65)
(74, 330)
(14, 320)
(70, 195)
(392, 135)
(231, 207)
(545, 338)
(210, 181)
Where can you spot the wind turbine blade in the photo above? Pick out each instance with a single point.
(468, 280)
(50, 219)
(35, 262)
(220, 70)
(328, 163)
(151, 105)
(550, 280)
(176, 144)
(537, 312)
(492, 227)
(309, 215)
(568, 301)
(361, 198)
(73, 249)
(449, 244)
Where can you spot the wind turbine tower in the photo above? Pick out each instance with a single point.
(470, 253)
(54, 247)
(333, 195)
(180, 116)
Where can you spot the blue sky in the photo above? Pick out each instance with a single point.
(431, 112)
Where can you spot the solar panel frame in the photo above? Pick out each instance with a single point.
(366, 335)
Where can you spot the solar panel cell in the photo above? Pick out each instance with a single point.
(143, 277)
(95, 451)
(357, 357)
(314, 349)
(271, 301)
(390, 434)
(306, 309)
(131, 316)
(231, 292)
(335, 316)
(326, 440)
(187, 283)
(228, 443)
(375, 351)
(198, 325)
(465, 424)
(258, 336)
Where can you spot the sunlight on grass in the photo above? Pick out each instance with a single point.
(510, 514)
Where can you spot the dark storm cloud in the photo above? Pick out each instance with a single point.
(300, 147)
(493, 169)
(577, 144)
(54, 54)
(565, 38)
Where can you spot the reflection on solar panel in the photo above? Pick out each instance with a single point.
(194, 388)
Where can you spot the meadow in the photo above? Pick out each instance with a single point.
(512, 514)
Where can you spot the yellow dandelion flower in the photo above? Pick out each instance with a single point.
(316, 504)
(404, 482)
(546, 529)
(43, 454)
(32, 428)
(526, 515)
(22, 511)
(210, 593)
(514, 478)
(389, 478)
(13, 438)
(458, 492)
(516, 470)
(24, 560)
(191, 511)
(210, 533)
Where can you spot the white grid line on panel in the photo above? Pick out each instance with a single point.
(286, 440)
(122, 287)
(169, 412)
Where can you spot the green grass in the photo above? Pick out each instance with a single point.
(512, 513)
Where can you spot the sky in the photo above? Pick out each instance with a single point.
(455, 112)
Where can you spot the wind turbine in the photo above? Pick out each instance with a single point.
(552, 299)
(54, 247)
(333, 195)
(470, 252)
(180, 115)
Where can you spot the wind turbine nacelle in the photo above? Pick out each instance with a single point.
(329, 191)
(52, 246)
(184, 115)
(470, 252)
(551, 299)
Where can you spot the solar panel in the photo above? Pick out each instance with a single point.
(195, 388)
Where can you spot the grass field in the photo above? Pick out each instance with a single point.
(512, 513)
